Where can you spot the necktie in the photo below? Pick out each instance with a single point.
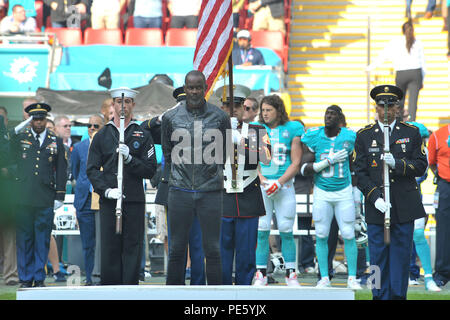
(37, 138)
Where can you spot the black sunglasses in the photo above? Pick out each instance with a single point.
(96, 126)
(248, 108)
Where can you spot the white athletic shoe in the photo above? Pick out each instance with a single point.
(430, 285)
(413, 282)
(310, 270)
(353, 283)
(260, 279)
(292, 280)
(323, 283)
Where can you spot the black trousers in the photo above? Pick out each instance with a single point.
(442, 262)
(121, 254)
(410, 81)
(182, 208)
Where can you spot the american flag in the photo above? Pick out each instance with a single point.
(214, 40)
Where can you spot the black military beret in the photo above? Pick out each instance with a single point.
(38, 110)
(179, 94)
(386, 92)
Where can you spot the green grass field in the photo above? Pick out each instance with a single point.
(412, 295)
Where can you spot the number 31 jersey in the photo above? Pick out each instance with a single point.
(336, 177)
(281, 139)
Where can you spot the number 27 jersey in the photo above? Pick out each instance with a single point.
(336, 177)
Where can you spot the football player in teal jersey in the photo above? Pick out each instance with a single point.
(333, 196)
(278, 188)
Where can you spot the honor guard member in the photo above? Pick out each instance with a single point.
(242, 202)
(41, 180)
(121, 253)
(406, 160)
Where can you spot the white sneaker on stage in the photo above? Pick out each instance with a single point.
(260, 279)
(323, 283)
(292, 280)
(413, 282)
(353, 283)
(430, 285)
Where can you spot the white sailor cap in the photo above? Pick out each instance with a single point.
(127, 92)
(240, 93)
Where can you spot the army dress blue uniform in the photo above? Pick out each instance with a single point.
(40, 180)
(406, 205)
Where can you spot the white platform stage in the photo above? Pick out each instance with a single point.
(162, 292)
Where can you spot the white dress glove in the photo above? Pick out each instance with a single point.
(339, 156)
(57, 204)
(125, 151)
(19, 128)
(234, 123)
(271, 187)
(381, 205)
(114, 193)
(236, 137)
(390, 161)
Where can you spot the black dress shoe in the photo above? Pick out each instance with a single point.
(39, 284)
(26, 284)
(88, 283)
(12, 283)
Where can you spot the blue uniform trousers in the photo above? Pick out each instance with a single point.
(198, 276)
(238, 237)
(442, 262)
(86, 222)
(393, 260)
(34, 226)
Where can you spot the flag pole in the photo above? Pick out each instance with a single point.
(230, 87)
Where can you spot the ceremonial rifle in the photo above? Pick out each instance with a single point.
(120, 170)
(387, 200)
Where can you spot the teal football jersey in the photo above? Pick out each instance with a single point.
(335, 177)
(281, 139)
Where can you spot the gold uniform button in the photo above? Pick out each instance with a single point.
(37, 166)
(392, 180)
(38, 152)
(36, 173)
(37, 159)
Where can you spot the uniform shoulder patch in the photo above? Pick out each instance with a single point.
(366, 128)
(409, 125)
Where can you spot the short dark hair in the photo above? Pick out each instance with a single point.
(195, 73)
(4, 109)
(254, 102)
(276, 102)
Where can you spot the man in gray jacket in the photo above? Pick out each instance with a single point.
(193, 142)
